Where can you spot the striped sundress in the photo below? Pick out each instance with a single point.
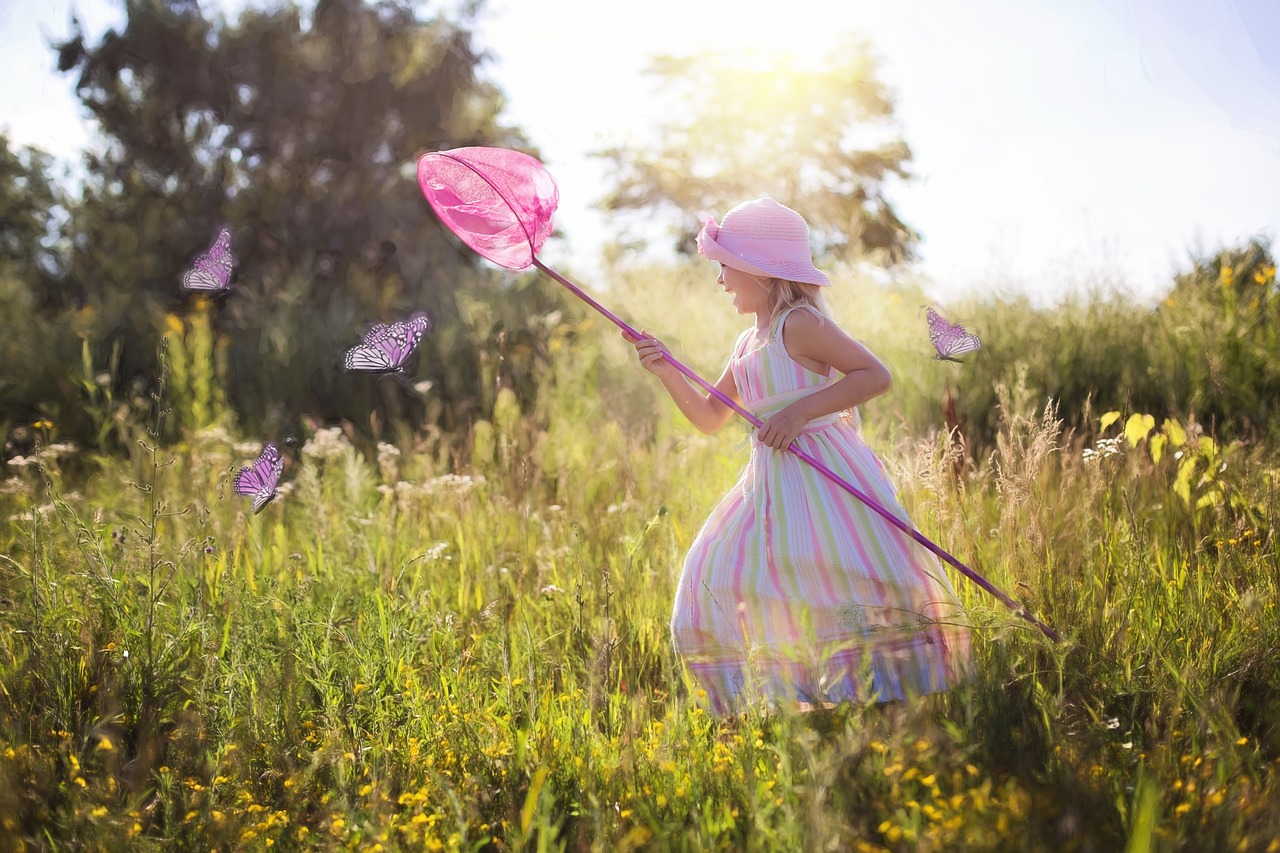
(797, 594)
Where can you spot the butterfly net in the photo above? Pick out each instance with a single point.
(497, 201)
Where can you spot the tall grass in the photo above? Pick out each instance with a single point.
(407, 651)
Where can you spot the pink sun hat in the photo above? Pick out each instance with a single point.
(763, 238)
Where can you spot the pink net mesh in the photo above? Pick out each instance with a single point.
(497, 201)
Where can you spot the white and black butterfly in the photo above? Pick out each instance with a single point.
(385, 349)
(259, 479)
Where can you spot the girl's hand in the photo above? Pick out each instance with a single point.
(780, 430)
(651, 352)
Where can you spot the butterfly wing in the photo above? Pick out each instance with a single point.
(406, 338)
(378, 330)
(369, 358)
(212, 269)
(963, 345)
(259, 479)
(386, 348)
(950, 339)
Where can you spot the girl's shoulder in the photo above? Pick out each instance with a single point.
(801, 319)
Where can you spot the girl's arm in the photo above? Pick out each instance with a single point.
(811, 338)
(704, 411)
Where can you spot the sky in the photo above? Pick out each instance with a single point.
(1055, 142)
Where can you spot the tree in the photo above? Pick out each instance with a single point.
(301, 136)
(817, 138)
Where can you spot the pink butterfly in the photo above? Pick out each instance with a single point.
(259, 479)
(212, 269)
(950, 339)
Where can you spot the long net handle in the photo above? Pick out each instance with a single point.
(832, 475)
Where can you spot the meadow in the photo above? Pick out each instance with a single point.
(460, 641)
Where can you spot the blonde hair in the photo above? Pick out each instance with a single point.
(795, 294)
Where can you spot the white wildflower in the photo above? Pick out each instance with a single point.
(1104, 448)
(247, 448)
(57, 451)
(458, 484)
(212, 435)
(12, 486)
(388, 460)
(326, 444)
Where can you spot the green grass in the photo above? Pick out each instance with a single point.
(409, 652)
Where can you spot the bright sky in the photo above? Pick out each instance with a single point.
(1053, 140)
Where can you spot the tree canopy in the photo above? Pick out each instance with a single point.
(299, 133)
(816, 136)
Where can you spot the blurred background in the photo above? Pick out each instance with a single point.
(1084, 188)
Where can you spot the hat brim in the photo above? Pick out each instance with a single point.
(807, 274)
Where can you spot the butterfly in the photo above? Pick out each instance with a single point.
(259, 479)
(950, 339)
(385, 349)
(212, 269)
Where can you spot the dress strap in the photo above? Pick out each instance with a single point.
(775, 334)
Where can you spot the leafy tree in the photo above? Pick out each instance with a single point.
(817, 138)
(34, 346)
(301, 136)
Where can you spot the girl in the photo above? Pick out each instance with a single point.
(794, 591)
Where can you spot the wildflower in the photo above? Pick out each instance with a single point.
(326, 444)
(100, 811)
(43, 423)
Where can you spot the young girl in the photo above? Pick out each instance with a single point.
(794, 591)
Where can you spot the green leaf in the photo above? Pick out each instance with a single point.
(531, 798)
(1107, 420)
(1137, 428)
(1157, 446)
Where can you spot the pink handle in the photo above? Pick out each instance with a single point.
(833, 476)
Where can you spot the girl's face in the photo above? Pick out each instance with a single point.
(750, 295)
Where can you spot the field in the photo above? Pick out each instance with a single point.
(461, 641)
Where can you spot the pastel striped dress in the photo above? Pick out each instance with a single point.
(796, 592)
